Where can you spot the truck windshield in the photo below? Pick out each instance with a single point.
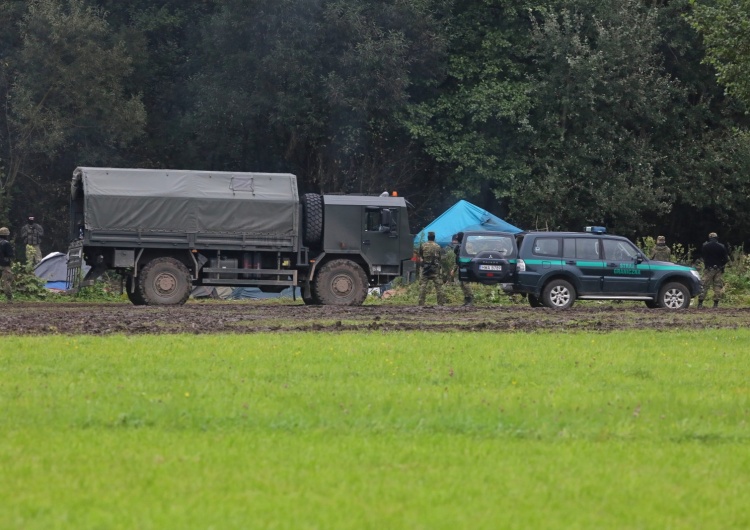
(488, 243)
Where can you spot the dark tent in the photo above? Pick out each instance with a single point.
(54, 269)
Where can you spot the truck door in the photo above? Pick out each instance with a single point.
(380, 236)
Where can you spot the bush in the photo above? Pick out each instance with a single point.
(26, 284)
(105, 289)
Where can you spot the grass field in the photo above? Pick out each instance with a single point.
(381, 431)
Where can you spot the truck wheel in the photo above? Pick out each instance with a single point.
(340, 282)
(165, 281)
(674, 296)
(558, 294)
(135, 297)
(312, 219)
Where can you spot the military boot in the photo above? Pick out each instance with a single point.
(716, 304)
(700, 304)
(468, 301)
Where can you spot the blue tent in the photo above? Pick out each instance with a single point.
(462, 217)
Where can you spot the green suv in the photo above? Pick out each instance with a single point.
(555, 268)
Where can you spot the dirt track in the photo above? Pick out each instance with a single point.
(253, 317)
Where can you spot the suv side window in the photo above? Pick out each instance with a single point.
(587, 248)
(547, 246)
(616, 249)
(569, 247)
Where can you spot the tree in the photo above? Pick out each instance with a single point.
(725, 26)
(475, 119)
(64, 92)
(601, 101)
(312, 87)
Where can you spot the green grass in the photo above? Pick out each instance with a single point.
(409, 430)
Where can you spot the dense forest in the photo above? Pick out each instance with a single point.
(556, 114)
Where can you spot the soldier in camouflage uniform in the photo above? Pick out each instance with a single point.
(468, 295)
(429, 259)
(715, 257)
(6, 260)
(661, 251)
(32, 234)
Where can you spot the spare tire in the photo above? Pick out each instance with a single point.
(312, 219)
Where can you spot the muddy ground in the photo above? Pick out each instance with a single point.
(252, 317)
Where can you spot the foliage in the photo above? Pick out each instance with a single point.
(679, 253)
(553, 113)
(473, 121)
(601, 99)
(26, 284)
(725, 27)
(108, 288)
(737, 278)
(64, 94)
(317, 82)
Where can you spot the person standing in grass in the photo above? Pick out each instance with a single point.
(31, 234)
(661, 251)
(6, 261)
(468, 295)
(429, 259)
(715, 257)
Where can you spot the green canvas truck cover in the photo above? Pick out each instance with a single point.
(259, 204)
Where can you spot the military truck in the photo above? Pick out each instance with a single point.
(166, 231)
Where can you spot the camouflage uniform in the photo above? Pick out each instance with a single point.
(468, 295)
(32, 234)
(661, 252)
(715, 257)
(6, 260)
(429, 257)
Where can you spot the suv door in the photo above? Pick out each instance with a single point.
(582, 256)
(487, 257)
(542, 256)
(624, 271)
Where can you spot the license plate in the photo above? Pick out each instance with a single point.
(490, 267)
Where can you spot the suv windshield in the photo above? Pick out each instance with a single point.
(489, 243)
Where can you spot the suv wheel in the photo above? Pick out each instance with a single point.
(558, 294)
(674, 296)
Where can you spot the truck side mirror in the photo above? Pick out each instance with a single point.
(386, 218)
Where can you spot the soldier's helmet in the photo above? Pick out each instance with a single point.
(661, 239)
(713, 235)
(4, 231)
